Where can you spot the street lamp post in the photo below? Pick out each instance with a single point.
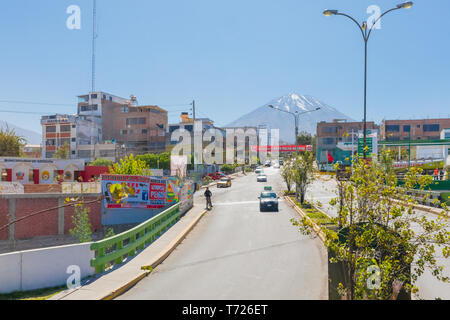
(366, 35)
(296, 114)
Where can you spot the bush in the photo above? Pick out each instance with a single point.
(227, 169)
(102, 163)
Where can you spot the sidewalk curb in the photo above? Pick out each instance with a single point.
(316, 227)
(169, 249)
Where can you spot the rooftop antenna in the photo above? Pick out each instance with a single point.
(94, 38)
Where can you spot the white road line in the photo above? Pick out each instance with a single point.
(237, 203)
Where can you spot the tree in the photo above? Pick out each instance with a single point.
(10, 143)
(382, 232)
(227, 168)
(303, 174)
(63, 152)
(304, 138)
(286, 174)
(130, 166)
(102, 162)
(156, 161)
(81, 226)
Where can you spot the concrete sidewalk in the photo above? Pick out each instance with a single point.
(109, 285)
(112, 283)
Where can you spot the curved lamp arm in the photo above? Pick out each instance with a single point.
(379, 18)
(357, 23)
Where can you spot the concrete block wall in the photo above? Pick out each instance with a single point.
(54, 222)
(43, 268)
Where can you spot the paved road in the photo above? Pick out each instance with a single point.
(324, 189)
(236, 252)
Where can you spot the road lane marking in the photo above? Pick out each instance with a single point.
(238, 203)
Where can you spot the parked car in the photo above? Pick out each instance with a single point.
(259, 171)
(268, 201)
(261, 178)
(224, 183)
(220, 174)
(268, 163)
(214, 176)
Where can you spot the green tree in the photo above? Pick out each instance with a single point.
(226, 168)
(286, 174)
(82, 228)
(302, 174)
(304, 138)
(381, 229)
(10, 143)
(130, 166)
(102, 163)
(63, 152)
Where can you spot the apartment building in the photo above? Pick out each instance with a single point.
(58, 130)
(338, 138)
(137, 129)
(423, 129)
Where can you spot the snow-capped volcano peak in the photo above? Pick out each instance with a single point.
(291, 102)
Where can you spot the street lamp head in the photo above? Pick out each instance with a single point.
(271, 106)
(318, 108)
(328, 13)
(405, 5)
(364, 25)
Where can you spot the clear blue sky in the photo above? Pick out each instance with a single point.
(231, 56)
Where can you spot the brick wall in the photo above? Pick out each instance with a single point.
(54, 222)
(3, 219)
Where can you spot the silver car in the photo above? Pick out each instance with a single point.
(261, 178)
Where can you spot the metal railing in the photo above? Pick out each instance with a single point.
(115, 249)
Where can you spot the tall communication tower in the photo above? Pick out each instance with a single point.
(94, 40)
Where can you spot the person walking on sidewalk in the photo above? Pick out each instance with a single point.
(208, 196)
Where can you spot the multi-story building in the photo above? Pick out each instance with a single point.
(339, 139)
(91, 108)
(188, 124)
(137, 129)
(58, 130)
(424, 129)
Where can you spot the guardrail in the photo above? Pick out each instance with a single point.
(113, 250)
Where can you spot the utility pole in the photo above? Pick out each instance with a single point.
(193, 110)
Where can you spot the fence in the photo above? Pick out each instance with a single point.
(115, 249)
(77, 187)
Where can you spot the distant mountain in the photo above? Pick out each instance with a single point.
(292, 102)
(31, 136)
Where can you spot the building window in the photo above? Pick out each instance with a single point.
(104, 97)
(189, 128)
(407, 128)
(328, 141)
(393, 128)
(74, 126)
(4, 175)
(124, 109)
(431, 127)
(329, 130)
(144, 131)
(65, 128)
(50, 142)
(93, 107)
(74, 139)
(135, 121)
(50, 129)
(74, 152)
(94, 96)
(123, 132)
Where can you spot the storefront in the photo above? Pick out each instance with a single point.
(40, 171)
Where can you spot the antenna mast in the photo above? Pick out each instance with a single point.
(94, 37)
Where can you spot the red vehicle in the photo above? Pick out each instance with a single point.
(214, 176)
(220, 174)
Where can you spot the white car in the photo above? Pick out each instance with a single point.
(261, 178)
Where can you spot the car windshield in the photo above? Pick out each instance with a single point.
(268, 195)
(224, 179)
